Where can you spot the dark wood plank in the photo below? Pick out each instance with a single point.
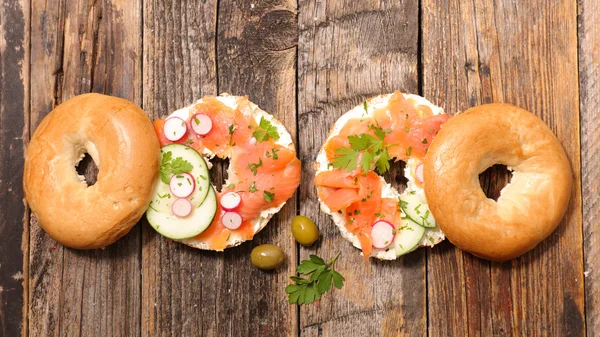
(349, 51)
(495, 51)
(78, 47)
(199, 293)
(14, 117)
(178, 282)
(589, 86)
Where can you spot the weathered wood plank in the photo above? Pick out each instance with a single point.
(589, 84)
(256, 53)
(14, 117)
(178, 282)
(78, 47)
(349, 51)
(494, 51)
(199, 293)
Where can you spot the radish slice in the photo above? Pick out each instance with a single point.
(382, 234)
(182, 185)
(419, 172)
(230, 201)
(231, 220)
(182, 207)
(174, 128)
(201, 124)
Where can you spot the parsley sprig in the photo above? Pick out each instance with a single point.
(307, 290)
(369, 148)
(265, 131)
(169, 166)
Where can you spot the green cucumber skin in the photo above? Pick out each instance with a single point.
(204, 199)
(176, 228)
(162, 198)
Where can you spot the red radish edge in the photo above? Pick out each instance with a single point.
(382, 234)
(230, 201)
(231, 220)
(183, 191)
(181, 207)
(419, 172)
(174, 129)
(204, 126)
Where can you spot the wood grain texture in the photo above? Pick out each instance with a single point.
(497, 51)
(179, 284)
(79, 47)
(589, 86)
(14, 116)
(349, 51)
(198, 293)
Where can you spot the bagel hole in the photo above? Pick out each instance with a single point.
(395, 176)
(87, 168)
(219, 172)
(494, 179)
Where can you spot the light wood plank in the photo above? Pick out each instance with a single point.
(497, 51)
(14, 120)
(589, 84)
(78, 47)
(349, 51)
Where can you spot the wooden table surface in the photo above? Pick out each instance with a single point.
(307, 62)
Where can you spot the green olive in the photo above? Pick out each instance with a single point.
(304, 230)
(267, 257)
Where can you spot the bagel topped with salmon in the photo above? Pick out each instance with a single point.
(369, 212)
(263, 172)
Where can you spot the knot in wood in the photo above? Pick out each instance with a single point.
(278, 30)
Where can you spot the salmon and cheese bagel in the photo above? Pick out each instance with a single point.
(529, 208)
(119, 137)
(369, 212)
(263, 172)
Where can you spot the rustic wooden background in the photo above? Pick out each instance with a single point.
(307, 62)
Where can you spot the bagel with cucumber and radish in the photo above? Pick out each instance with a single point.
(263, 172)
(368, 211)
(119, 137)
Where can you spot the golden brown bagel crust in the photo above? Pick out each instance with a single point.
(120, 138)
(528, 209)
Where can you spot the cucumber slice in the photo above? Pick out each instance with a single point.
(408, 237)
(417, 210)
(177, 228)
(163, 198)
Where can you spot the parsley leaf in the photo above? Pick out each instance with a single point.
(322, 275)
(170, 166)
(254, 167)
(252, 187)
(346, 160)
(383, 162)
(265, 131)
(268, 196)
(368, 148)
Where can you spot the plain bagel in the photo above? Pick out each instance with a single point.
(529, 208)
(120, 138)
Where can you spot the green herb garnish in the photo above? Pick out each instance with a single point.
(253, 188)
(170, 166)
(265, 131)
(254, 167)
(307, 290)
(369, 148)
(268, 196)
